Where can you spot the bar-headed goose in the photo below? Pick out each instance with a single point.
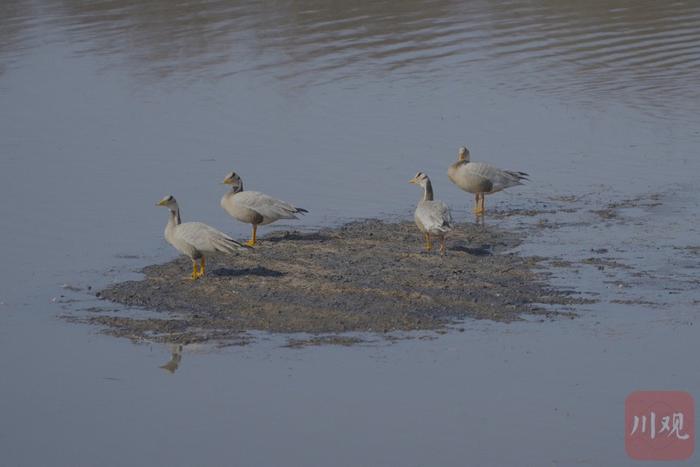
(194, 239)
(481, 179)
(253, 207)
(432, 217)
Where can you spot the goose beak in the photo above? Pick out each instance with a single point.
(413, 180)
(160, 203)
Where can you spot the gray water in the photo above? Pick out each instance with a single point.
(109, 105)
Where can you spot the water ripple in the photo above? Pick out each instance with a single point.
(645, 52)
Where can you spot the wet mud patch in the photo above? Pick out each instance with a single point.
(366, 276)
(612, 210)
(340, 340)
(632, 251)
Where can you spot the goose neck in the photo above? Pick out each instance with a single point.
(174, 217)
(428, 191)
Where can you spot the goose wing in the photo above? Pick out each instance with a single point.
(499, 178)
(435, 216)
(474, 174)
(206, 238)
(270, 208)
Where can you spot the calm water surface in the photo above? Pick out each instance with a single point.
(109, 105)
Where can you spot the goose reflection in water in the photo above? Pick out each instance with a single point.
(175, 357)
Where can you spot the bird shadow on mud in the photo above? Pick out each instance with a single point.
(288, 236)
(483, 250)
(258, 271)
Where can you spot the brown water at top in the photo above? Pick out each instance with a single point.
(645, 53)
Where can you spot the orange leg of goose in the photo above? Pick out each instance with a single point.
(253, 240)
(203, 267)
(479, 209)
(195, 273)
(442, 246)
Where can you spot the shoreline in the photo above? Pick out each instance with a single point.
(364, 276)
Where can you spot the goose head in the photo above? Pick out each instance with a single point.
(168, 202)
(463, 154)
(234, 180)
(420, 179)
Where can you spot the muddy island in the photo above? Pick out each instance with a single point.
(365, 276)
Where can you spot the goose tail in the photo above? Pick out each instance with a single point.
(229, 245)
